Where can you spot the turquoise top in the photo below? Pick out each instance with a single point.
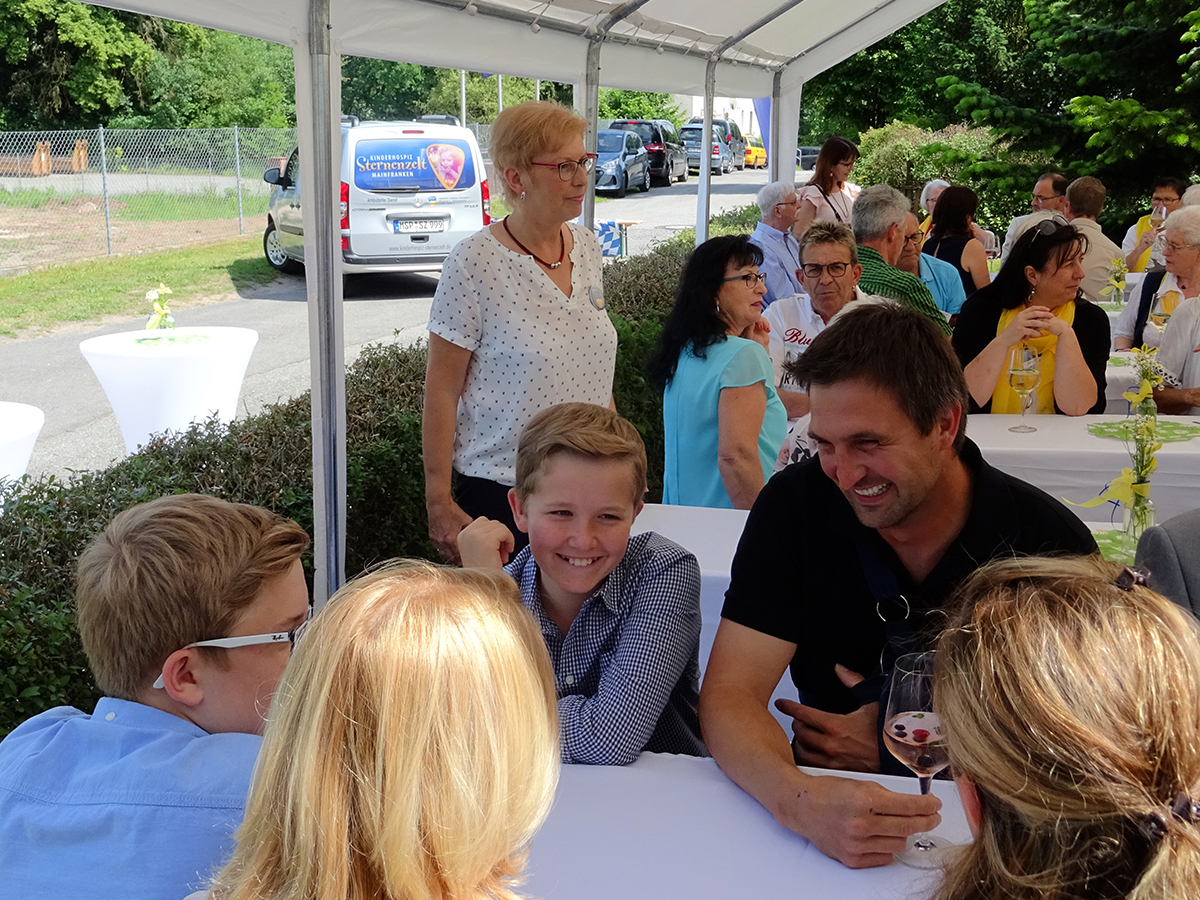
(691, 427)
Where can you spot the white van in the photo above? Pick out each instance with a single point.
(410, 191)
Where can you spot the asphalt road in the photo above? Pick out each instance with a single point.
(81, 432)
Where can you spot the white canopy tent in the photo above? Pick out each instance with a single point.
(749, 48)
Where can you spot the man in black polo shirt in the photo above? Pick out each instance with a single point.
(896, 510)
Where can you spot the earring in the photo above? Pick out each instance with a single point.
(522, 197)
(718, 307)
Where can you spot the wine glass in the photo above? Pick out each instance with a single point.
(1158, 215)
(915, 736)
(1024, 375)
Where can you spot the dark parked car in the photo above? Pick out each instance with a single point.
(806, 157)
(668, 158)
(621, 161)
(731, 137)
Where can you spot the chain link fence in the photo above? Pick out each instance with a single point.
(67, 195)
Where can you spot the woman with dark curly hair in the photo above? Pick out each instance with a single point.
(827, 197)
(952, 240)
(723, 423)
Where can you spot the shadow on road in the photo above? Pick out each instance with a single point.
(357, 288)
(687, 189)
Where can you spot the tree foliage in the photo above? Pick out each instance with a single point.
(482, 94)
(382, 89)
(618, 104)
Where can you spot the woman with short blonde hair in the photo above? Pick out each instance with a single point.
(517, 324)
(411, 750)
(1071, 696)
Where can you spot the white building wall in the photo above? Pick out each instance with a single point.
(740, 109)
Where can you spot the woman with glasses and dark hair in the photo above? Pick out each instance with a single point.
(952, 240)
(723, 422)
(827, 197)
(517, 323)
(1035, 300)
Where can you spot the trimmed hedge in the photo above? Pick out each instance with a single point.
(266, 460)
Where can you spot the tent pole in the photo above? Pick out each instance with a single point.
(774, 152)
(591, 112)
(462, 96)
(318, 82)
(704, 190)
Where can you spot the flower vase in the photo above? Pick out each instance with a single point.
(1137, 515)
(1146, 408)
(160, 320)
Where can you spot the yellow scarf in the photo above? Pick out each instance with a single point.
(1006, 401)
(1143, 225)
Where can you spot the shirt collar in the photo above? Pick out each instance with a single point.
(870, 253)
(129, 714)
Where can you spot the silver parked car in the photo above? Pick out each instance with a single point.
(622, 161)
(692, 136)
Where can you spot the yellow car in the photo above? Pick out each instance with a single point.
(756, 154)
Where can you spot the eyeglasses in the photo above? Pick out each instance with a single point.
(1175, 248)
(249, 640)
(566, 170)
(814, 270)
(1156, 199)
(912, 239)
(749, 278)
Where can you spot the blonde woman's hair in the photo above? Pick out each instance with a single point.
(411, 750)
(526, 130)
(170, 572)
(583, 429)
(1073, 706)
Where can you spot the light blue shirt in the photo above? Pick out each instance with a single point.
(781, 259)
(129, 802)
(691, 426)
(944, 283)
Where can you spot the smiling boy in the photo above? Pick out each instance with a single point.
(620, 616)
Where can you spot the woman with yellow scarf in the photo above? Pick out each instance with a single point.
(1035, 300)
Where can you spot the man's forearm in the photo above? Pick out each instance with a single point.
(752, 749)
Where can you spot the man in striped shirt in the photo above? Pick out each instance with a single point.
(878, 221)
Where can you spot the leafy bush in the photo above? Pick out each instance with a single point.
(906, 157)
(266, 460)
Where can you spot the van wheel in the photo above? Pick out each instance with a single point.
(646, 180)
(683, 175)
(624, 186)
(273, 250)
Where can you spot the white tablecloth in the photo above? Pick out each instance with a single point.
(670, 827)
(1120, 379)
(1065, 460)
(712, 535)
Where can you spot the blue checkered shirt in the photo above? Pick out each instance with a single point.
(626, 671)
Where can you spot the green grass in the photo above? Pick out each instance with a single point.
(153, 206)
(159, 206)
(118, 285)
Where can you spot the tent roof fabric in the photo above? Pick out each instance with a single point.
(801, 38)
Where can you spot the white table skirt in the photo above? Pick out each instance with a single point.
(1065, 460)
(669, 827)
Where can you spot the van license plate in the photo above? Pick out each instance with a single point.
(409, 226)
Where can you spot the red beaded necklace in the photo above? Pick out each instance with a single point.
(562, 253)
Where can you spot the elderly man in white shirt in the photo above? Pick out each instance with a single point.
(781, 252)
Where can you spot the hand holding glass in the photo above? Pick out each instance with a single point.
(915, 736)
(1024, 375)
